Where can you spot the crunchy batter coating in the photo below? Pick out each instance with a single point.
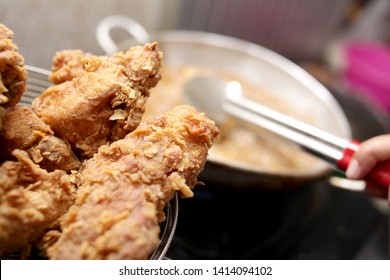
(13, 73)
(68, 64)
(126, 185)
(31, 201)
(98, 99)
(23, 130)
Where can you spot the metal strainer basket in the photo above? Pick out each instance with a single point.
(38, 81)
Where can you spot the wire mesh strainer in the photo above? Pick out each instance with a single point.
(38, 81)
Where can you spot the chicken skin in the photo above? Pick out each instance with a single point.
(123, 189)
(13, 73)
(98, 99)
(23, 130)
(31, 201)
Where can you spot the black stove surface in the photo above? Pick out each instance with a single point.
(314, 222)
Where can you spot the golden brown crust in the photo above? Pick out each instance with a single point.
(126, 185)
(100, 99)
(13, 73)
(31, 201)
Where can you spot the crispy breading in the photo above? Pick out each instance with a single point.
(98, 99)
(67, 64)
(13, 73)
(126, 185)
(31, 201)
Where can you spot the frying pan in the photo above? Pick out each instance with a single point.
(255, 64)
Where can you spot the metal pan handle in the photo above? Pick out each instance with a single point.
(103, 32)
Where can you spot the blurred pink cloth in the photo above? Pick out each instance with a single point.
(367, 71)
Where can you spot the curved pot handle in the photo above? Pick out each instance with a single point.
(107, 43)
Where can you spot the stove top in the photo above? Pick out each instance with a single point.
(317, 221)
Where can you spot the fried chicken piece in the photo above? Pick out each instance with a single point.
(99, 99)
(31, 201)
(13, 73)
(126, 185)
(23, 130)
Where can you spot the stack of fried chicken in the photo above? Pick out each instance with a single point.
(80, 176)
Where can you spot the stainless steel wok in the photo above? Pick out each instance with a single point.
(256, 64)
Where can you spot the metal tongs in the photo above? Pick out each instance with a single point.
(331, 148)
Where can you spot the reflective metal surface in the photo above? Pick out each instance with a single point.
(259, 66)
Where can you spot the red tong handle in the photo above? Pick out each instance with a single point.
(378, 180)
